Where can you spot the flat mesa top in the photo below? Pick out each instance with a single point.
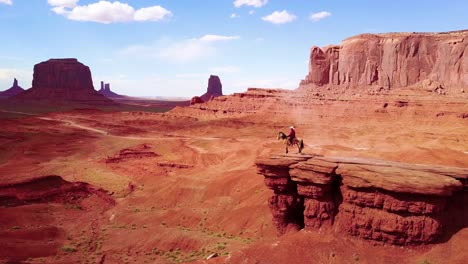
(392, 176)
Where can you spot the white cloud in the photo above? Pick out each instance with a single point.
(279, 17)
(106, 12)
(218, 38)
(319, 16)
(251, 12)
(154, 13)
(254, 3)
(63, 3)
(234, 15)
(225, 69)
(183, 51)
(6, 2)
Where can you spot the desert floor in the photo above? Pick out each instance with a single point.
(187, 187)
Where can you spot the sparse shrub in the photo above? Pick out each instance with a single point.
(68, 249)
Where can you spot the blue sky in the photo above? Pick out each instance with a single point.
(170, 47)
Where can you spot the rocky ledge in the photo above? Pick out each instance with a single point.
(393, 202)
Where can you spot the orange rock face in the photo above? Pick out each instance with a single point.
(386, 201)
(393, 60)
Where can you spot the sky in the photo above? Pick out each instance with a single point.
(170, 47)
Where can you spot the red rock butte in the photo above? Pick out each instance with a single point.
(60, 80)
(393, 60)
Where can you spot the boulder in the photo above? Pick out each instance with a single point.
(196, 100)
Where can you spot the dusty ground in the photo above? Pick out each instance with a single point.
(189, 186)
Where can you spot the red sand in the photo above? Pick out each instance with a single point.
(200, 194)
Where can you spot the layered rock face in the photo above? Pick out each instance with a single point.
(62, 80)
(215, 88)
(386, 201)
(13, 90)
(429, 60)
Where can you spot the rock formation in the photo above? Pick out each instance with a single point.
(196, 100)
(215, 88)
(386, 201)
(106, 91)
(432, 61)
(62, 80)
(13, 90)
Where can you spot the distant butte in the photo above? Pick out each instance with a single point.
(215, 88)
(106, 91)
(62, 80)
(13, 90)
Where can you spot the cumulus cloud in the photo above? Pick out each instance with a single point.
(6, 2)
(319, 16)
(278, 17)
(182, 51)
(218, 38)
(254, 3)
(234, 15)
(63, 3)
(106, 12)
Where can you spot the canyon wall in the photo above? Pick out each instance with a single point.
(393, 60)
(393, 202)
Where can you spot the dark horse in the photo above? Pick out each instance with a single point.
(296, 141)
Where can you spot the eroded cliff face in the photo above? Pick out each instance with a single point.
(430, 60)
(386, 201)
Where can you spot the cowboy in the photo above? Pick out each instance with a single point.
(292, 135)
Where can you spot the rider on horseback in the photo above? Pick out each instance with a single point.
(292, 135)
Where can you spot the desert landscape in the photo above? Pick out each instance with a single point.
(90, 175)
(96, 186)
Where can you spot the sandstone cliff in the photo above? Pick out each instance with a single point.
(59, 80)
(380, 200)
(432, 61)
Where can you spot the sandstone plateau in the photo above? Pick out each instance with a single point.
(433, 61)
(62, 80)
(13, 90)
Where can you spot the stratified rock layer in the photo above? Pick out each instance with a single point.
(60, 80)
(432, 61)
(387, 201)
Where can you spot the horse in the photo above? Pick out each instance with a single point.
(296, 141)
